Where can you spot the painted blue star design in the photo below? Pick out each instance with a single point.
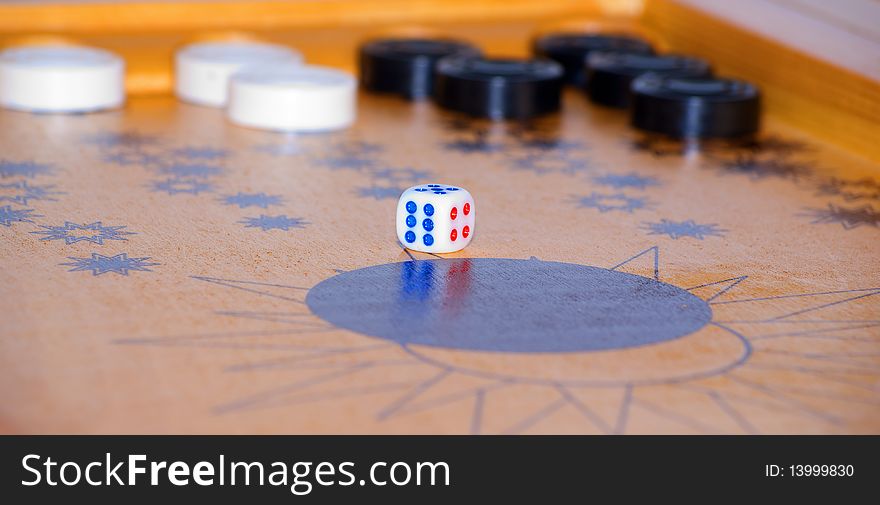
(850, 190)
(24, 192)
(379, 192)
(8, 215)
(542, 164)
(475, 145)
(406, 174)
(23, 168)
(678, 229)
(99, 264)
(131, 158)
(192, 170)
(126, 140)
(761, 168)
(200, 153)
(848, 217)
(548, 144)
(622, 181)
(243, 200)
(612, 202)
(267, 223)
(72, 233)
(174, 186)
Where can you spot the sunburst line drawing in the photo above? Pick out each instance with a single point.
(290, 362)
(413, 316)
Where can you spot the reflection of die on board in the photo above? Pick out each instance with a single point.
(435, 218)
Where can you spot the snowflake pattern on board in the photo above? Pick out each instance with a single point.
(243, 200)
(174, 186)
(848, 217)
(267, 223)
(30, 169)
(528, 146)
(200, 153)
(72, 233)
(8, 215)
(475, 145)
(22, 192)
(99, 264)
(343, 161)
(760, 168)
(661, 146)
(127, 158)
(525, 146)
(850, 190)
(192, 170)
(607, 202)
(678, 229)
(543, 142)
(542, 164)
(623, 181)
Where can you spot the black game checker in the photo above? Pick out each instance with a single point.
(691, 107)
(571, 50)
(498, 88)
(610, 74)
(405, 66)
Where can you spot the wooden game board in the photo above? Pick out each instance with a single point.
(166, 272)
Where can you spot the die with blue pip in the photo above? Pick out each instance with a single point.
(435, 218)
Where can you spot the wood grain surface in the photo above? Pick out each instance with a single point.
(164, 271)
(212, 333)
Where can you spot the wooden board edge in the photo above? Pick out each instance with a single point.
(268, 14)
(830, 102)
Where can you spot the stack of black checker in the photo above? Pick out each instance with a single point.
(571, 50)
(459, 78)
(675, 95)
(405, 66)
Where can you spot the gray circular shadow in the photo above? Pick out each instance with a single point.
(507, 305)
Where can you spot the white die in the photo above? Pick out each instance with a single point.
(435, 218)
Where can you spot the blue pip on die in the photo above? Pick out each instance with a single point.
(435, 218)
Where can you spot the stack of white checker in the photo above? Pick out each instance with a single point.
(61, 79)
(265, 86)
